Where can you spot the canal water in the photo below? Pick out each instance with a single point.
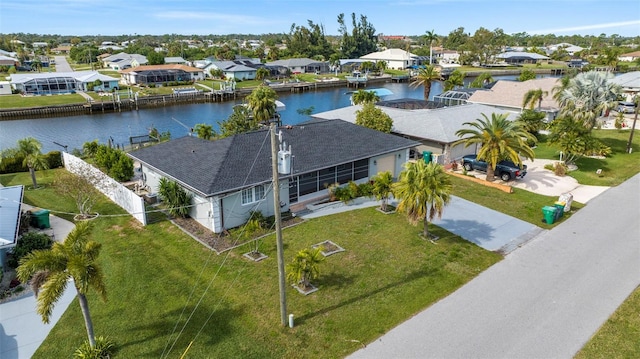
(74, 131)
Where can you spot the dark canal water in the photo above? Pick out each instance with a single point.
(73, 131)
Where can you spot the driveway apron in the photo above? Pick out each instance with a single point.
(544, 300)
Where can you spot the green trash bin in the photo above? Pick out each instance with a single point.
(426, 155)
(41, 219)
(560, 207)
(550, 214)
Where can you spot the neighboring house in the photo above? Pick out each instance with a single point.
(39, 44)
(435, 129)
(158, 74)
(10, 212)
(508, 95)
(232, 70)
(630, 83)
(569, 48)
(629, 56)
(302, 65)
(5, 88)
(49, 83)
(122, 61)
(108, 45)
(232, 176)
(8, 61)
(442, 56)
(62, 49)
(396, 59)
(519, 57)
(8, 54)
(175, 60)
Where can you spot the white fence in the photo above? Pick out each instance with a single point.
(111, 188)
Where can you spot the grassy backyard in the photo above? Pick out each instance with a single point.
(156, 275)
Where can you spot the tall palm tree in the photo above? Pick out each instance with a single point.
(587, 96)
(424, 190)
(532, 97)
(499, 139)
(30, 150)
(262, 102)
(50, 271)
(430, 37)
(382, 188)
(425, 78)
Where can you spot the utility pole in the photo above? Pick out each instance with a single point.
(276, 208)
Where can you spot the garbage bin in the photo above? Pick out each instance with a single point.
(560, 206)
(550, 214)
(40, 219)
(426, 155)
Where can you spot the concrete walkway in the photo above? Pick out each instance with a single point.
(544, 300)
(21, 328)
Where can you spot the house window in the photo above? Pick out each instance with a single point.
(254, 194)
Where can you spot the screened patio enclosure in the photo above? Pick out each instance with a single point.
(45, 86)
(160, 76)
(453, 97)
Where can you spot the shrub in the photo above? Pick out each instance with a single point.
(104, 349)
(365, 189)
(54, 159)
(12, 165)
(26, 244)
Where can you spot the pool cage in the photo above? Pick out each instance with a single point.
(161, 76)
(48, 86)
(453, 97)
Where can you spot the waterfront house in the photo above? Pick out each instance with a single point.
(51, 83)
(232, 70)
(231, 177)
(301, 65)
(8, 61)
(434, 128)
(570, 49)
(159, 74)
(508, 95)
(521, 57)
(5, 88)
(175, 60)
(396, 59)
(629, 56)
(630, 84)
(10, 211)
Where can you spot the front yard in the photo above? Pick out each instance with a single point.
(156, 275)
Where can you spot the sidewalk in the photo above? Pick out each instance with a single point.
(21, 328)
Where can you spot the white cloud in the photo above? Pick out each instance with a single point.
(587, 27)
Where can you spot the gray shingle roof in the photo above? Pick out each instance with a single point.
(221, 166)
(439, 125)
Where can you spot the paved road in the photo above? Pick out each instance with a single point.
(544, 300)
(62, 65)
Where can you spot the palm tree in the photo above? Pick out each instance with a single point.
(430, 37)
(29, 149)
(262, 102)
(455, 80)
(50, 270)
(482, 79)
(364, 96)
(425, 77)
(204, 131)
(587, 96)
(532, 97)
(304, 267)
(424, 190)
(499, 139)
(382, 188)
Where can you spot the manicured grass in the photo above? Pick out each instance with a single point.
(616, 168)
(619, 336)
(521, 204)
(156, 275)
(17, 101)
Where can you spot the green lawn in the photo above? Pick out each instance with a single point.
(521, 204)
(619, 337)
(17, 101)
(156, 275)
(616, 168)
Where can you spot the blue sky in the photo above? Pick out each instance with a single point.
(389, 17)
